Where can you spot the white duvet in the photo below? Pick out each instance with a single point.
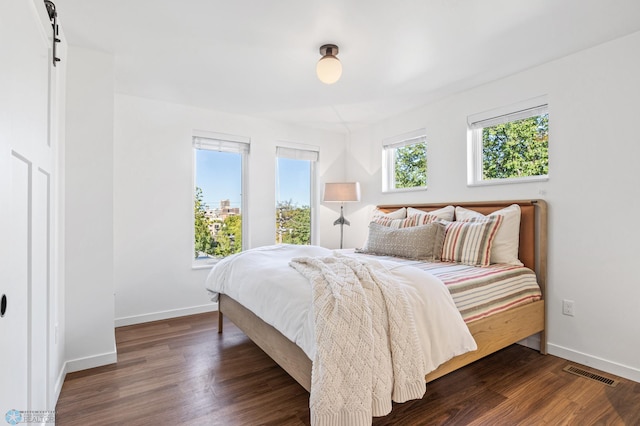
(262, 281)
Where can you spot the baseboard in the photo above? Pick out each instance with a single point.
(58, 386)
(173, 313)
(91, 362)
(595, 362)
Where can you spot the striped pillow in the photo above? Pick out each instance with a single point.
(412, 220)
(470, 242)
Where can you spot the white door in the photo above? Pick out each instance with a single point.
(26, 163)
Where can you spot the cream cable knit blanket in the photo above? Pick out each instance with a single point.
(368, 352)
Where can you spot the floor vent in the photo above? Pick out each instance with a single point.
(598, 378)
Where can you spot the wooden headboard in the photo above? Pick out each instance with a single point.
(533, 228)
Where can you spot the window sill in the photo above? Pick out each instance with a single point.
(393, 191)
(508, 181)
(204, 263)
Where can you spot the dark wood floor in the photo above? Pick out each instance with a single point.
(180, 371)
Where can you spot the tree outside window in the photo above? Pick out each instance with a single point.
(293, 223)
(516, 149)
(411, 166)
(405, 162)
(511, 147)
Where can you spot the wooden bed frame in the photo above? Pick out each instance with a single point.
(491, 334)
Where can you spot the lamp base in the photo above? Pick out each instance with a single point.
(341, 221)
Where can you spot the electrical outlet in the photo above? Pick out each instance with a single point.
(567, 307)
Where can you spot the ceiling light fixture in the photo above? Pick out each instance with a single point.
(329, 68)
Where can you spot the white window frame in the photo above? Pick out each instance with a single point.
(477, 122)
(389, 146)
(223, 143)
(312, 154)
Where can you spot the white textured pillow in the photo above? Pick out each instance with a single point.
(445, 213)
(505, 246)
(396, 214)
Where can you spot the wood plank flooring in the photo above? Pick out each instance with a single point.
(181, 371)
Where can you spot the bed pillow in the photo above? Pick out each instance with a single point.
(412, 220)
(438, 239)
(422, 242)
(445, 213)
(470, 242)
(379, 216)
(396, 214)
(505, 245)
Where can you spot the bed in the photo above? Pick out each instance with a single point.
(491, 333)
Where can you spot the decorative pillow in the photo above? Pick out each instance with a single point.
(505, 245)
(416, 242)
(470, 243)
(396, 214)
(438, 239)
(413, 220)
(379, 215)
(445, 213)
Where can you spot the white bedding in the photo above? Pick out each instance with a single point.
(259, 278)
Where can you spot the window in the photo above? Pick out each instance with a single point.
(295, 180)
(405, 162)
(220, 168)
(509, 147)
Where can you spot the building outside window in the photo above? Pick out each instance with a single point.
(219, 207)
(510, 147)
(404, 160)
(295, 183)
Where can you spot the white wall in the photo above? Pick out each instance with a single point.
(592, 191)
(89, 303)
(153, 199)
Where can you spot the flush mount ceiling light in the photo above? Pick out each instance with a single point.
(329, 68)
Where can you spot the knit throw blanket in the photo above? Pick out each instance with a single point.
(367, 347)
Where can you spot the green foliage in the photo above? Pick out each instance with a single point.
(516, 149)
(293, 223)
(411, 166)
(204, 242)
(229, 237)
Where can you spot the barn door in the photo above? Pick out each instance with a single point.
(26, 166)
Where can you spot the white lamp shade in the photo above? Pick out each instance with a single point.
(329, 69)
(341, 192)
